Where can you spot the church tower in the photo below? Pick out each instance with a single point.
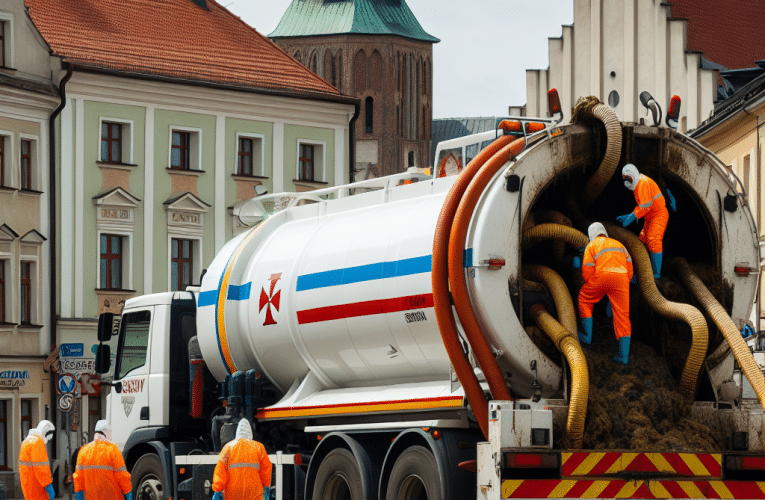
(376, 51)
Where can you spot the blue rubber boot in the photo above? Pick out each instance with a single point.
(622, 355)
(586, 337)
(656, 264)
(609, 311)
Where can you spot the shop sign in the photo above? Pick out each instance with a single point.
(71, 350)
(13, 378)
(78, 366)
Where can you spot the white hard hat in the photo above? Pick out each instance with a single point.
(595, 230)
(46, 429)
(631, 171)
(244, 430)
(102, 431)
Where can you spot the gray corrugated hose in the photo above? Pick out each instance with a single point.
(673, 310)
(716, 311)
(568, 344)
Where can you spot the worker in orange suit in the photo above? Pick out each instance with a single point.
(243, 471)
(607, 270)
(101, 472)
(34, 468)
(651, 206)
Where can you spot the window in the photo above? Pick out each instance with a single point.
(134, 340)
(370, 115)
(2, 157)
(111, 262)
(26, 293)
(181, 263)
(94, 413)
(111, 142)
(2, 44)
(180, 155)
(26, 164)
(26, 417)
(3, 435)
(745, 174)
(245, 156)
(306, 162)
(2, 291)
(249, 155)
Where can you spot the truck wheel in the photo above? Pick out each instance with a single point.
(414, 476)
(147, 477)
(338, 477)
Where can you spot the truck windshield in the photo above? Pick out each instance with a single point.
(134, 339)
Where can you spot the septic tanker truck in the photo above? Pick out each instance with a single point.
(414, 337)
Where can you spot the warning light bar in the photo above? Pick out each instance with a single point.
(673, 114)
(743, 269)
(531, 460)
(553, 101)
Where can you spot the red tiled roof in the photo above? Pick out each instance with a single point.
(173, 39)
(728, 33)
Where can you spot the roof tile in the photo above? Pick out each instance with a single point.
(174, 39)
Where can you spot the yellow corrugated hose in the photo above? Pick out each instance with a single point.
(716, 311)
(549, 216)
(559, 291)
(673, 310)
(557, 232)
(568, 344)
(587, 109)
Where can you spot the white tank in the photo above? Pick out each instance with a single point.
(342, 288)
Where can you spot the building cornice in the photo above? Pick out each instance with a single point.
(204, 100)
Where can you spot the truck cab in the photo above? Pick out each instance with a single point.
(148, 401)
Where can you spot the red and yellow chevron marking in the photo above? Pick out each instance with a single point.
(377, 406)
(675, 464)
(644, 488)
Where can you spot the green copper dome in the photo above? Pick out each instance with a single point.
(363, 17)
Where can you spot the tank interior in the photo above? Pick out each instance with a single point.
(638, 406)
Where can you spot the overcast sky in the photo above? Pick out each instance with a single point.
(479, 67)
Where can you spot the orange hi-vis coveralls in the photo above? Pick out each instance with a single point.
(652, 206)
(243, 470)
(607, 270)
(34, 469)
(101, 472)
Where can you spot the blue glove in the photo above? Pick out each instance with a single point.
(79, 495)
(266, 493)
(51, 493)
(577, 262)
(218, 495)
(626, 220)
(672, 202)
(128, 495)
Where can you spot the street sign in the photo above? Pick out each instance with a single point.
(66, 383)
(66, 402)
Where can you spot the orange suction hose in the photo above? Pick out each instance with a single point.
(475, 336)
(439, 277)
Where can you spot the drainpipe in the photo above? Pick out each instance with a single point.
(52, 239)
(352, 143)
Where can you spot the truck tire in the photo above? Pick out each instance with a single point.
(414, 476)
(147, 478)
(338, 477)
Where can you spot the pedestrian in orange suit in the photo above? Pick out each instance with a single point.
(243, 471)
(34, 468)
(607, 270)
(651, 206)
(101, 473)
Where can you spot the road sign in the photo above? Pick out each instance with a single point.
(66, 383)
(66, 402)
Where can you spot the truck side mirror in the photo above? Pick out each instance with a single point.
(103, 358)
(105, 326)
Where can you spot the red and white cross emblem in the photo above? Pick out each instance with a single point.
(270, 299)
